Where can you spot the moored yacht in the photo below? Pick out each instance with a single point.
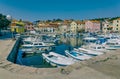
(89, 52)
(57, 60)
(77, 55)
(96, 47)
(34, 44)
(112, 44)
(31, 39)
(90, 39)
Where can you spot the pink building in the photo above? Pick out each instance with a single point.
(92, 26)
(29, 27)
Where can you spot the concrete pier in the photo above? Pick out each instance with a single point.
(101, 67)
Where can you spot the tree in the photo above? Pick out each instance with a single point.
(4, 22)
(57, 20)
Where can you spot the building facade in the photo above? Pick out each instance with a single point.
(29, 27)
(76, 26)
(116, 25)
(92, 26)
(48, 27)
(17, 26)
(64, 28)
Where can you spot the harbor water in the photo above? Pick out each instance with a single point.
(36, 59)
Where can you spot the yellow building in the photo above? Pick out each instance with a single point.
(73, 27)
(76, 26)
(17, 26)
(105, 26)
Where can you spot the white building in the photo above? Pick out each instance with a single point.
(64, 28)
(75, 27)
(116, 25)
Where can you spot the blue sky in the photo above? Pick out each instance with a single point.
(65, 9)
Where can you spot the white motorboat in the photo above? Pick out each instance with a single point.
(36, 50)
(112, 44)
(31, 39)
(34, 44)
(96, 47)
(89, 52)
(77, 55)
(90, 39)
(57, 60)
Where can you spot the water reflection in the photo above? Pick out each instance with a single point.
(72, 41)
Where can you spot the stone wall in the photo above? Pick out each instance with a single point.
(14, 52)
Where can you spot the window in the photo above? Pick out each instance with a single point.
(117, 25)
(28, 27)
(40, 43)
(116, 28)
(99, 47)
(36, 44)
(103, 47)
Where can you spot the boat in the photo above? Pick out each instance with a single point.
(45, 39)
(17, 36)
(90, 39)
(96, 47)
(36, 50)
(112, 44)
(29, 39)
(112, 36)
(77, 55)
(36, 44)
(57, 60)
(89, 52)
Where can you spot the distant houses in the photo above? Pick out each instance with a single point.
(73, 27)
(21, 26)
(68, 26)
(111, 26)
(48, 27)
